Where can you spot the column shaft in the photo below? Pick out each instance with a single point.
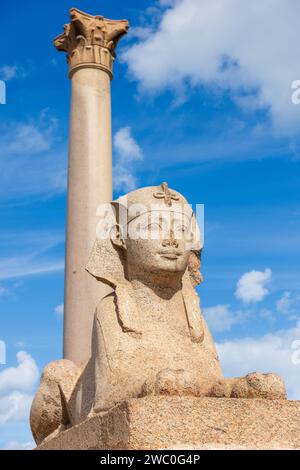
(89, 184)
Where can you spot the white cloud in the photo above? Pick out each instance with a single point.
(13, 445)
(21, 378)
(222, 318)
(36, 241)
(32, 248)
(30, 137)
(125, 145)
(15, 407)
(289, 305)
(269, 353)
(251, 286)
(248, 48)
(14, 267)
(59, 309)
(267, 315)
(3, 291)
(32, 156)
(127, 152)
(2, 352)
(8, 72)
(284, 303)
(16, 386)
(167, 2)
(140, 32)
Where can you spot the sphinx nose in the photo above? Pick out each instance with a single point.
(171, 241)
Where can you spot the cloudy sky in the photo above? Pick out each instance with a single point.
(202, 98)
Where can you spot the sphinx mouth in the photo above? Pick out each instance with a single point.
(170, 254)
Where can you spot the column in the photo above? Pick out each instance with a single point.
(89, 42)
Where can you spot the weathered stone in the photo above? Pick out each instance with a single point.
(48, 410)
(257, 385)
(187, 423)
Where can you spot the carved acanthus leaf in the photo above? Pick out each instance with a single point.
(90, 39)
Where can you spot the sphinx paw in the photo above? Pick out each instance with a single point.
(172, 382)
(256, 385)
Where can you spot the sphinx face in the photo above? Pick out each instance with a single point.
(158, 242)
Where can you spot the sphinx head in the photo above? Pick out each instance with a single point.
(156, 232)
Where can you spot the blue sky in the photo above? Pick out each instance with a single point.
(202, 99)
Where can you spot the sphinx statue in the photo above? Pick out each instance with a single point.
(149, 334)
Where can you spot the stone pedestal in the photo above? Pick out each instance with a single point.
(187, 423)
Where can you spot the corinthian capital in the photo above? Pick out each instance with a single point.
(90, 41)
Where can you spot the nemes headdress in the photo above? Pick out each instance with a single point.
(108, 264)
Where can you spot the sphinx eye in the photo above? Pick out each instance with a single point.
(154, 226)
(181, 228)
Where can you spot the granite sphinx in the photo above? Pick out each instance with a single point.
(149, 336)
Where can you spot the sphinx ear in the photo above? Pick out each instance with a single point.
(117, 238)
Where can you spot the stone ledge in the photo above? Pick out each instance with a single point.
(187, 423)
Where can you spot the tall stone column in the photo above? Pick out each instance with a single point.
(89, 42)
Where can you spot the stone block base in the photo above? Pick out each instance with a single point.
(187, 423)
